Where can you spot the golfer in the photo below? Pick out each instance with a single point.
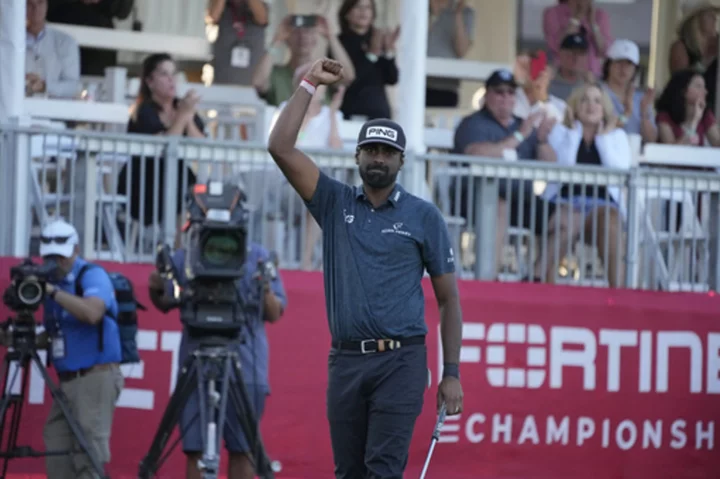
(377, 242)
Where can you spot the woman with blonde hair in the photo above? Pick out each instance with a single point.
(590, 135)
(697, 44)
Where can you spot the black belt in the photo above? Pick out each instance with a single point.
(377, 345)
(65, 376)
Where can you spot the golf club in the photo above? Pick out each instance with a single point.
(435, 438)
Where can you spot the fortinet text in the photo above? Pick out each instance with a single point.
(574, 348)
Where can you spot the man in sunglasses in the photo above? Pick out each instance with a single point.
(89, 374)
(495, 132)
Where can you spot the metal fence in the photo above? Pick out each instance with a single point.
(643, 228)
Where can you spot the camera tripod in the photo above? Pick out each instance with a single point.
(24, 354)
(214, 370)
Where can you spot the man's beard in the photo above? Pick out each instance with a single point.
(377, 177)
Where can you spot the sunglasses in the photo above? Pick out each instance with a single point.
(503, 91)
(54, 239)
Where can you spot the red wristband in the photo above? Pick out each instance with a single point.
(306, 79)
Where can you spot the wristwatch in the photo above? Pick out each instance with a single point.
(52, 293)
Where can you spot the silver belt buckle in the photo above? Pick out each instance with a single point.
(366, 341)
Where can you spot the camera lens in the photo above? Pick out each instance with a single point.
(222, 249)
(30, 292)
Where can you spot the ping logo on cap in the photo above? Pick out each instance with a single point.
(381, 132)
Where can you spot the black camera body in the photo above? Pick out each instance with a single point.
(303, 21)
(215, 255)
(27, 285)
(24, 296)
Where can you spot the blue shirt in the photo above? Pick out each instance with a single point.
(374, 260)
(634, 121)
(254, 350)
(81, 339)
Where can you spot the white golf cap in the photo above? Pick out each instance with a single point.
(58, 238)
(624, 50)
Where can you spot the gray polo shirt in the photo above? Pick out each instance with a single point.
(375, 258)
(441, 43)
(482, 127)
(248, 39)
(562, 88)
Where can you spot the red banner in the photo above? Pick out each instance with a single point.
(559, 382)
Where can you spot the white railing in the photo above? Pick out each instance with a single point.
(83, 180)
(76, 111)
(186, 47)
(179, 46)
(224, 107)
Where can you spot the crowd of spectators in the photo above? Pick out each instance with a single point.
(579, 108)
(575, 101)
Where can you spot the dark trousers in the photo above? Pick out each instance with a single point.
(373, 401)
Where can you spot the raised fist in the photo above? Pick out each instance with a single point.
(325, 72)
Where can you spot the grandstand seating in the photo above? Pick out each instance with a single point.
(673, 260)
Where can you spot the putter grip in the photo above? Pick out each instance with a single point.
(440, 421)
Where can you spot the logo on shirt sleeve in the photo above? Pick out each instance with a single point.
(451, 258)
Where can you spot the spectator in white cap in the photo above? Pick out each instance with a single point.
(634, 109)
(85, 351)
(59, 238)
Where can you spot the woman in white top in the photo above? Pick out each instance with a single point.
(590, 136)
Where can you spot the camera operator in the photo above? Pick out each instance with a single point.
(89, 375)
(259, 284)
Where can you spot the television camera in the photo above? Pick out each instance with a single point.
(213, 312)
(215, 254)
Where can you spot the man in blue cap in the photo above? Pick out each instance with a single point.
(378, 241)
